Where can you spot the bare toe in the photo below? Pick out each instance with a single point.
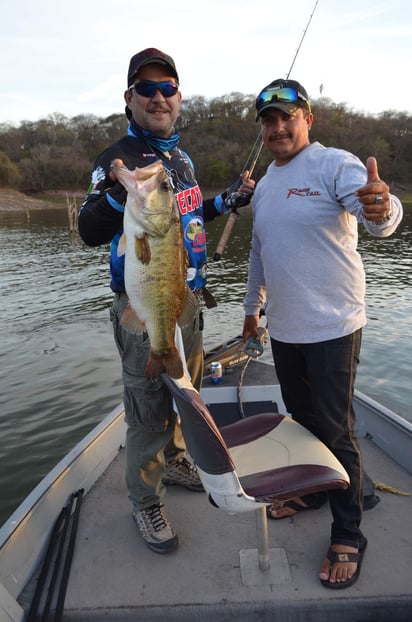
(340, 565)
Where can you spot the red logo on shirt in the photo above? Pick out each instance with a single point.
(189, 200)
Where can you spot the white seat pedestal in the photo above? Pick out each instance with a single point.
(264, 566)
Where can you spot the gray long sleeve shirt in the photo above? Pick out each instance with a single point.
(303, 261)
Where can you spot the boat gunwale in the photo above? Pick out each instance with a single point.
(20, 553)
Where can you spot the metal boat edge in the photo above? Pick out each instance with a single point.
(23, 537)
(385, 428)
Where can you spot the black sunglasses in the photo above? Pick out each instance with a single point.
(148, 88)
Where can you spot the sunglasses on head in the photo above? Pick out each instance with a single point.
(287, 95)
(148, 88)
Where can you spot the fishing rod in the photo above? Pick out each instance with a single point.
(233, 216)
(252, 158)
(301, 41)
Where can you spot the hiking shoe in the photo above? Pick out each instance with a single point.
(155, 529)
(182, 473)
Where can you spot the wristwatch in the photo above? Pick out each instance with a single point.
(385, 218)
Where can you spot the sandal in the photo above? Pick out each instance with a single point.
(314, 502)
(369, 501)
(308, 502)
(339, 558)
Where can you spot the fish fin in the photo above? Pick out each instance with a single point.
(142, 249)
(171, 363)
(130, 320)
(189, 309)
(121, 247)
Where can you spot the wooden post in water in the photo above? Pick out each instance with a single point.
(72, 213)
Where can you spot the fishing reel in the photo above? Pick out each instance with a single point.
(233, 198)
(254, 347)
(237, 199)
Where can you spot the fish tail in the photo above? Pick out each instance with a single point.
(154, 366)
(171, 363)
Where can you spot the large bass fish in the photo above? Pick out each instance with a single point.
(155, 265)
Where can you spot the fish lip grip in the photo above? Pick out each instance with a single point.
(254, 347)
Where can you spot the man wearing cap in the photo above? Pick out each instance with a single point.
(305, 266)
(155, 449)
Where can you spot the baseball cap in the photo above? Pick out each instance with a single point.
(147, 56)
(286, 95)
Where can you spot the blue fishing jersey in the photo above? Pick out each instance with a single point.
(101, 215)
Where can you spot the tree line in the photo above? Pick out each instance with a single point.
(57, 153)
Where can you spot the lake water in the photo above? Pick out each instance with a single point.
(60, 372)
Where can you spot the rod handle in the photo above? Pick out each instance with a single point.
(233, 216)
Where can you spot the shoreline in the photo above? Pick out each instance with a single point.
(15, 201)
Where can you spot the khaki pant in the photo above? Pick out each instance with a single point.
(153, 434)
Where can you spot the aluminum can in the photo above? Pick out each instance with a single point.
(216, 372)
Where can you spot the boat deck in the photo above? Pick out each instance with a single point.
(212, 576)
(116, 577)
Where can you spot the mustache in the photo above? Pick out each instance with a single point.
(277, 135)
(158, 108)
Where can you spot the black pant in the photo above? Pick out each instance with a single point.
(317, 384)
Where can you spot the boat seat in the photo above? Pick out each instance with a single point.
(255, 461)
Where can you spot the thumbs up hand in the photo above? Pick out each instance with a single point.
(374, 195)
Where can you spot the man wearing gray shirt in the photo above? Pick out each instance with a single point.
(305, 266)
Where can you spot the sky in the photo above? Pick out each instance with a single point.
(71, 57)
